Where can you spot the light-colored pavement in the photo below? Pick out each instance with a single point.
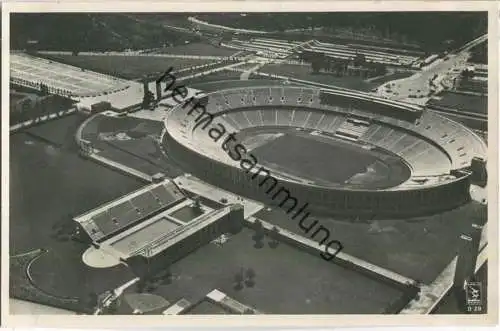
(433, 78)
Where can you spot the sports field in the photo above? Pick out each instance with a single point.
(127, 66)
(326, 161)
(49, 184)
(131, 142)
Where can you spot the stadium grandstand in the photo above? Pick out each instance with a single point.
(155, 222)
(281, 49)
(418, 155)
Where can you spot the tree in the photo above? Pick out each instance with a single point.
(197, 204)
(238, 280)
(148, 98)
(250, 278)
(274, 243)
(359, 60)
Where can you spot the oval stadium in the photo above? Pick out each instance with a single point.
(342, 152)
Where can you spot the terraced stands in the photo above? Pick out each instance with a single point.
(432, 145)
(313, 119)
(123, 213)
(350, 51)
(283, 117)
(253, 117)
(352, 129)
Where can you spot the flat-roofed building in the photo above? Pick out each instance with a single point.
(125, 212)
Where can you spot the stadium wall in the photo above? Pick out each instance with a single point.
(363, 203)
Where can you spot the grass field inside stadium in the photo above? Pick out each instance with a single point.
(326, 161)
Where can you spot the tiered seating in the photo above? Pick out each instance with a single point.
(349, 52)
(284, 117)
(253, 117)
(458, 142)
(390, 137)
(313, 119)
(299, 117)
(352, 129)
(428, 162)
(145, 203)
(330, 122)
(405, 140)
(125, 213)
(340, 116)
(269, 116)
(240, 119)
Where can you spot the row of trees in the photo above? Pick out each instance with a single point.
(30, 108)
(343, 67)
(91, 32)
(428, 29)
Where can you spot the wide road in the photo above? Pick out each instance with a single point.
(442, 73)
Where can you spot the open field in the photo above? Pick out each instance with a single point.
(408, 247)
(287, 279)
(127, 66)
(304, 72)
(49, 177)
(461, 102)
(14, 97)
(198, 49)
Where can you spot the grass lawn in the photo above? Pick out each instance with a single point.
(141, 152)
(49, 184)
(304, 72)
(416, 248)
(200, 49)
(287, 280)
(461, 102)
(393, 76)
(213, 86)
(127, 67)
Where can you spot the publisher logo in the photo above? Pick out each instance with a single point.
(473, 296)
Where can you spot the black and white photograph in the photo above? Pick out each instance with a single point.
(249, 162)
